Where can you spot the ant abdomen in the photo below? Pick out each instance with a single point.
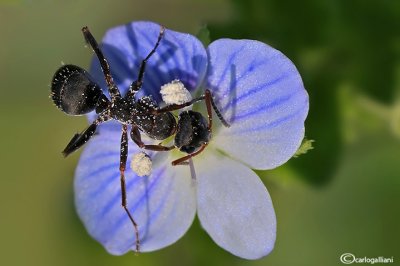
(73, 90)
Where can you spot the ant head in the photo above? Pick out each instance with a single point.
(73, 90)
(192, 131)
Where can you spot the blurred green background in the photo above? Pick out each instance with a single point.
(343, 196)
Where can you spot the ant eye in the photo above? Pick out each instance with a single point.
(73, 90)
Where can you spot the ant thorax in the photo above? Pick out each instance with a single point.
(156, 126)
(121, 109)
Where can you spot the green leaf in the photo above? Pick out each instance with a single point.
(203, 34)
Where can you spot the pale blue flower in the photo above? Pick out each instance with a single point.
(260, 93)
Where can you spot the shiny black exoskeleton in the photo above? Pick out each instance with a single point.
(192, 132)
(75, 92)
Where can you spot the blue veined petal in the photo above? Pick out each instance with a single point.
(162, 204)
(234, 207)
(179, 56)
(261, 94)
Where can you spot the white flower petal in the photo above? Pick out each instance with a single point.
(234, 207)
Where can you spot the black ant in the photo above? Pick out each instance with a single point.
(75, 93)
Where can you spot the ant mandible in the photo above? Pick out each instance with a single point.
(75, 92)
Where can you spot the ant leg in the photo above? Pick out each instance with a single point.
(174, 107)
(122, 166)
(135, 135)
(105, 67)
(209, 101)
(79, 139)
(187, 157)
(136, 85)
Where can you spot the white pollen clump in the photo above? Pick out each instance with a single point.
(141, 164)
(175, 93)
